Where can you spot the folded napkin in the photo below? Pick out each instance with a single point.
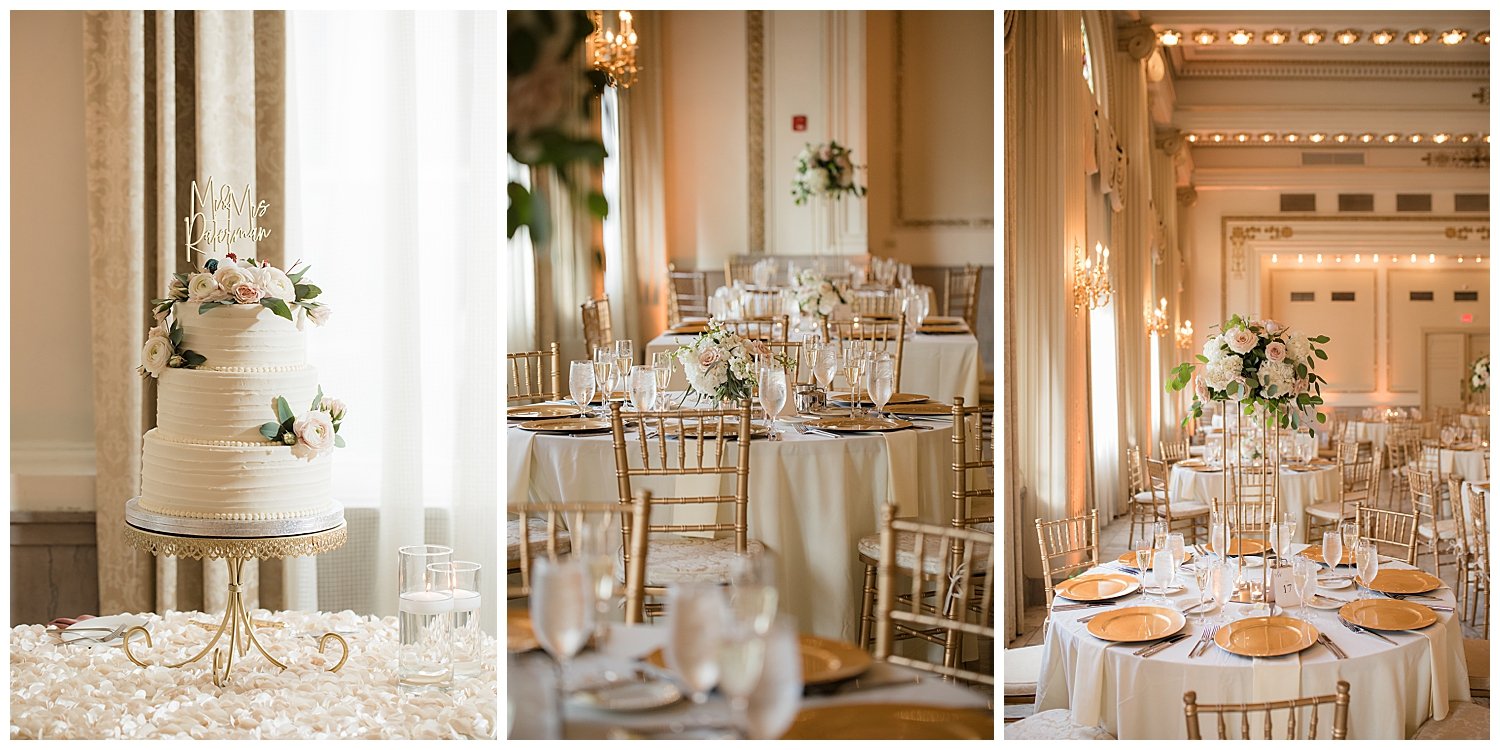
(1438, 654)
(1276, 678)
(518, 467)
(901, 481)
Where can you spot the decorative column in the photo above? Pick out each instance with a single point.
(1132, 246)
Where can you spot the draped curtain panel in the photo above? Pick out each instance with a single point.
(170, 97)
(641, 278)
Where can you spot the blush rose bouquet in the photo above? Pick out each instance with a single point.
(1259, 364)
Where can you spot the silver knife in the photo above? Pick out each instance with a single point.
(1162, 646)
(1366, 631)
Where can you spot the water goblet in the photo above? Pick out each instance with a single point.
(772, 381)
(1305, 578)
(1176, 545)
(695, 625)
(1367, 565)
(753, 593)
(562, 609)
(882, 382)
(1333, 549)
(1163, 572)
(642, 388)
(1224, 586)
(582, 383)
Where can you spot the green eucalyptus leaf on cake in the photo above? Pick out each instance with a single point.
(297, 277)
(318, 399)
(277, 306)
(338, 440)
(175, 333)
(307, 291)
(283, 409)
(271, 430)
(191, 358)
(206, 306)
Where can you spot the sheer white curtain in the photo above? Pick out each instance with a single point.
(392, 192)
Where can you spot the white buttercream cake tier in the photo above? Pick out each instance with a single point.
(241, 337)
(209, 406)
(245, 482)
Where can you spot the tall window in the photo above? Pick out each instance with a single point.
(1088, 61)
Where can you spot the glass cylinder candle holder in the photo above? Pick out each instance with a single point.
(468, 639)
(425, 658)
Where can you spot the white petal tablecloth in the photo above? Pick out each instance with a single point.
(95, 692)
(1299, 489)
(1394, 688)
(939, 367)
(811, 499)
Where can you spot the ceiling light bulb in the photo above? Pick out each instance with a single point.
(1392, 137)
(1418, 36)
(1346, 37)
(1383, 36)
(1414, 257)
(1453, 36)
(1316, 137)
(1366, 137)
(1432, 257)
(1312, 36)
(1338, 259)
(1299, 257)
(1267, 137)
(1192, 137)
(1482, 37)
(1242, 137)
(1169, 37)
(1291, 137)
(1440, 137)
(1479, 259)
(1460, 259)
(1375, 257)
(1341, 137)
(1217, 137)
(1415, 138)
(1240, 37)
(1465, 138)
(1356, 257)
(1205, 37)
(1276, 36)
(1486, 137)
(1395, 259)
(1273, 257)
(1320, 257)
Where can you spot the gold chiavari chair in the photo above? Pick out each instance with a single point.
(1358, 486)
(1179, 516)
(1142, 502)
(1397, 453)
(1068, 546)
(711, 443)
(964, 598)
(534, 376)
(1433, 531)
(1389, 527)
(598, 327)
(1463, 548)
(886, 337)
(973, 507)
(547, 526)
(799, 372)
(761, 304)
(961, 294)
(764, 329)
(687, 294)
(1191, 709)
(875, 303)
(741, 268)
(1479, 539)
(1173, 451)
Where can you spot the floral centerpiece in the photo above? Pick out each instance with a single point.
(312, 434)
(1479, 375)
(817, 295)
(1262, 365)
(825, 169)
(227, 281)
(721, 364)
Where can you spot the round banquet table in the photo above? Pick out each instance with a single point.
(938, 366)
(1468, 464)
(1393, 689)
(76, 691)
(811, 499)
(1299, 489)
(1374, 432)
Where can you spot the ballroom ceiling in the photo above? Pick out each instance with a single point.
(1276, 91)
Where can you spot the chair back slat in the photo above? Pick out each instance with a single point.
(1068, 546)
(1388, 527)
(1192, 709)
(598, 326)
(534, 376)
(630, 517)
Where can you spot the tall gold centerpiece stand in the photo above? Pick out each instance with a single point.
(237, 625)
(1252, 492)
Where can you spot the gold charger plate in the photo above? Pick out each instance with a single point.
(858, 424)
(891, 721)
(566, 425)
(1129, 558)
(943, 320)
(1096, 587)
(1244, 547)
(930, 408)
(896, 398)
(1316, 554)
(712, 431)
(1388, 614)
(616, 396)
(689, 327)
(1404, 582)
(943, 330)
(1131, 624)
(823, 660)
(1266, 636)
(519, 635)
(542, 411)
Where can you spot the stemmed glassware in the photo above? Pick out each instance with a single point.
(642, 388)
(625, 350)
(854, 364)
(1142, 566)
(662, 364)
(882, 381)
(562, 608)
(1224, 586)
(1203, 575)
(1177, 546)
(774, 702)
(1350, 535)
(596, 543)
(1367, 564)
(604, 374)
(1305, 578)
(582, 383)
(1163, 573)
(1333, 549)
(1283, 534)
(749, 617)
(696, 623)
(772, 380)
(825, 363)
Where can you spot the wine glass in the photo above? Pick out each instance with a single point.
(642, 387)
(1203, 575)
(854, 362)
(1142, 565)
(595, 543)
(1282, 536)
(1159, 533)
(778, 694)
(1367, 563)
(604, 374)
(825, 363)
(1163, 572)
(1218, 534)
(1305, 578)
(562, 608)
(753, 594)
(1224, 586)
(662, 365)
(882, 383)
(772, 380)
(1333, 549)
(1178, 549)
(582, 383)
(696, 615)
(1350, 534)
(625, 349)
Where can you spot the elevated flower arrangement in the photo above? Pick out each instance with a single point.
(1262, 366)
(816, 295)
(824, 170)
(721, 364)
(1479, 375)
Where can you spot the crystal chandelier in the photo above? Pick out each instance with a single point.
(1091, 278)
(613, 52)
(1156, 320)
(1185, 335)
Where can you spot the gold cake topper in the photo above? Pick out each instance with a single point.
(211, 219)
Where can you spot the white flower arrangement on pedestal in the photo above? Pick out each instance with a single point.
(1264, 366)
(824, 169)
(818, 296)
(1479, 375)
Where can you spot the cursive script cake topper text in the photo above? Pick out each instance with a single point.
(210, 226)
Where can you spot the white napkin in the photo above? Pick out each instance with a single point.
(1438, 654)
(1276, 678)
(518, 455)
(901, 478)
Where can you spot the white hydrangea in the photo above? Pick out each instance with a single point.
(1278, 375)
(1298, 348)
(1219, 373)
(1213, 348)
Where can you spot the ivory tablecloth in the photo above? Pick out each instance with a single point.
(940, 367)
(1298, 488)
(811, 499)
(1393, 688)
(1467, 464)
(94, 692)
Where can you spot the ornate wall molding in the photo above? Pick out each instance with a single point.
(902, 219)
(1322, 70)
(755, 68)
(1238, 236)
(1481, 232)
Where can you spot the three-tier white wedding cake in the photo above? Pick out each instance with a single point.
(229, 352)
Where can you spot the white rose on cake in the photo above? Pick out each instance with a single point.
(276, 284)
(229, 276)
(315, 436)
(319, 314)
(156, 355)
(203, 288)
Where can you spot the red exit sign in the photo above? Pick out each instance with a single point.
(1466, 318)
(799, 123)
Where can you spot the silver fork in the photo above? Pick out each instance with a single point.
(111, 635)
(1203, 641)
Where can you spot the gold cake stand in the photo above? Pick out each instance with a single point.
(236, 623)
